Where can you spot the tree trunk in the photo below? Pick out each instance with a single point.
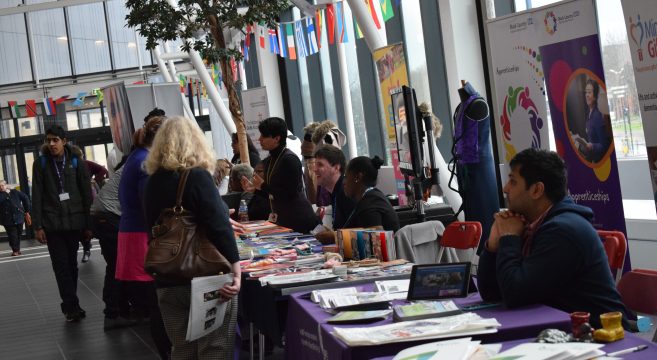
(233, 100)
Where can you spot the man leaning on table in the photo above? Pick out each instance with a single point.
(543, 249)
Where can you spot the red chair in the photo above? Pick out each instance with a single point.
(615, 246)
(638, 289)
(460, 235)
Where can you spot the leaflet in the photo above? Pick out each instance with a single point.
(206, 311)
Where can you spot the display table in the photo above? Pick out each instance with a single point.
(630, 341)
(308, 336)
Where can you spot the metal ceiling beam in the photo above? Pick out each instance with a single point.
(20, 9)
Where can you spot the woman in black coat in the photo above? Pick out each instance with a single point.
(13, 206)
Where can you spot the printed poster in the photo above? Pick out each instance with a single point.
(392, 73)
(577, 97)
(255, 109)
(641, 22)
(120, 118)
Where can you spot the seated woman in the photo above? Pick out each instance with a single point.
(254, 156)
(372, 207)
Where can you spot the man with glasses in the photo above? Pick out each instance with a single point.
(61, 198)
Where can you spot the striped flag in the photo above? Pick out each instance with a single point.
(281, 41)
(49, 106)
(182, 82)
(13, 108)
(357, 32)
(386, 10)
(375, 17)
(301, 42)
(330, 23)
(319, 21)
(290, 41)
(245, 51)
(312, 39)
(30, 108)
(273, 41)
(342, 25)
(80, 99)
(248, 35)
(261, 34)
(61, 99)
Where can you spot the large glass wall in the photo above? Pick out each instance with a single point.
(14, 58)
(50, 42)
(88, 38)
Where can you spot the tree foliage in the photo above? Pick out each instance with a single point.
(199, 23)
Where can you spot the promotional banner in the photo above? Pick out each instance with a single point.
(256, 108)
(519, 85)
(120, 118)
(391, 68)
(577, 96)
(641, 21)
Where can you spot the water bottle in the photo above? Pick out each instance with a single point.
(243, 214)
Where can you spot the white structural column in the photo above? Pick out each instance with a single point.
(243, 76)
(161, 65)
(271, 80)
(346, 101)
(362, 15)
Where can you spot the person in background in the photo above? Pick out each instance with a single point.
(544, 248)
(220, 175)
(283, 184)
(14, 204)
(106, 215)
(329, 173)
(133, 236)
(61, 198)
(180, 145)
(372, 207)
(98, 175)
(254, 156)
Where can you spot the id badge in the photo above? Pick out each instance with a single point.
(272, 217)
(64, 196)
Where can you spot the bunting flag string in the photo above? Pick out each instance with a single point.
(13, 108)
(330, 23)
(49, 106)
(30, 108)
(291, 50)
(281, 41)
(319, 22)
(261, 34)
(301, 42)
(80, 99)
(312, 40)
(273, 41)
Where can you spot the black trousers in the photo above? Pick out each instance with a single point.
(106, 229)
(14, 235)
(63, 248)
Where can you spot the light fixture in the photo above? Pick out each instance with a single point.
(99, 42)
(132, 45)
(62, 38)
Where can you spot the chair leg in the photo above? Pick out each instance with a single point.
(654, 337)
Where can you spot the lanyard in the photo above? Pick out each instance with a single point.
(356, 206)
(60, 177)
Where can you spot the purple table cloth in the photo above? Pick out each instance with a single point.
(308, 336)
(630, 341)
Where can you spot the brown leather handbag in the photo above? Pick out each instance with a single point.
(180, 249)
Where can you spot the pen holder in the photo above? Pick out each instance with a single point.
(612, 328)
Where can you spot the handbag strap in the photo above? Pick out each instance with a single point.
(181, 190)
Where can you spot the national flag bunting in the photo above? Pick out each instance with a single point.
(300, 35)
(61, 99)
(375, 17)
(245, 51)
(386, 10)
(330, 23)
(319, 21)
(357, 32)
(290, 42)
(30, 108)
(49, 106)
(312, 39)
(273, 41)
(342, 25)
(281, 41)
(80, 99)
(13, 108)
(248, 35)
(261, 34)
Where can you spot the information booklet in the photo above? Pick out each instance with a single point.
(352, 317)
(206, 311)
(424, 310)
(541, 351)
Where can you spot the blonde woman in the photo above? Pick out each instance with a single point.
(180, 145)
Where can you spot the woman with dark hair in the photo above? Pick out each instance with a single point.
(132, 241)
(282, 184)
(596, 131)
(254, 156)
(372, 207)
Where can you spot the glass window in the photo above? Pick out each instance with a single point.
(90, 118)
(415, 55)
(50, 42)
(28, 126)
(96, 153)
(354, 86)
(89, 38)
(124, 43)
(72, 121)
(7, 129)
(14, 64)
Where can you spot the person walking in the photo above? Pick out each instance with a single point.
(14, 204)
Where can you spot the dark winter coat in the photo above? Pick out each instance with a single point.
(13, 206)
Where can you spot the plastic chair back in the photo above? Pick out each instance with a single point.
(638, 290)
(615, 246)
(460, 235)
